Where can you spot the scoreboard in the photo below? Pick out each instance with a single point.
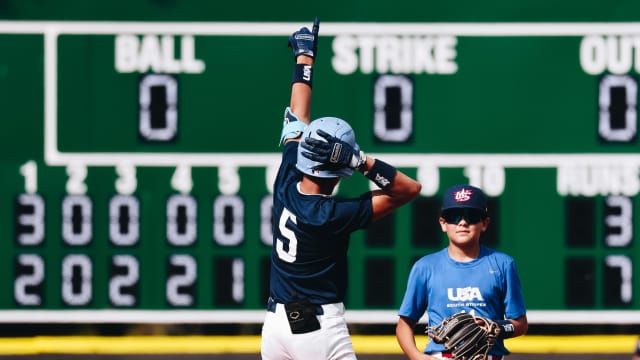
(137, 160)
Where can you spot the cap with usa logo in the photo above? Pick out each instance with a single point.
(464, 196)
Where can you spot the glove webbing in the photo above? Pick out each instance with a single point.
(464, 337)
(468, 341)
(441, 332)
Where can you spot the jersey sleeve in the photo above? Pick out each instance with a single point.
(514, 300)
(287, 171)
(348, 215)
(414, 304)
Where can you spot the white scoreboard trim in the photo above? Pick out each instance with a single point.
(617, 317)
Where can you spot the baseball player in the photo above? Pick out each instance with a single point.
(311, 228)
(465, 276)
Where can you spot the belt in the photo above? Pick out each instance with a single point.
(271, 307)
(489, 357)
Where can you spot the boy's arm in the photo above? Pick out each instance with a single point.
(407, 341)
(304, 44)
(519, 326)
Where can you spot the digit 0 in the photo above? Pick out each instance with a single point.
(181, 220)
(393, 108)
(124, 220)
(77, 214)
(77, 275)
(228, 220)
(158, 96)
(618, 115)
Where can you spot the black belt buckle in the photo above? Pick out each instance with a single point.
(301, 314)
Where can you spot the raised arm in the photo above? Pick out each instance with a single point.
(300, 103)
(397, 188)
(304, 44)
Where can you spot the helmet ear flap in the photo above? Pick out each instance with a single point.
(335, 127)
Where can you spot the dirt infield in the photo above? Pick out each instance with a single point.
(551, 356)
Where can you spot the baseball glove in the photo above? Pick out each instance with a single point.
(466, 336)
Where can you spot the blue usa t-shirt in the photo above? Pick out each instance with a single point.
(311, 237)
(489, 286)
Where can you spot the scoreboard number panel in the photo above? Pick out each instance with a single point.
(151, 197)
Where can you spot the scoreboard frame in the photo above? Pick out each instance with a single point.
(229, 163)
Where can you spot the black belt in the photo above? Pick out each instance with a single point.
(271, 307)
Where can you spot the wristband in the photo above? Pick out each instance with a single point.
(506, 329)
(381, 173)
(302, 73)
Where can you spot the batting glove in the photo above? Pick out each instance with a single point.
(305, 42)
(333, 154)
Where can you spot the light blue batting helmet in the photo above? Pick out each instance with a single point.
(335, 127)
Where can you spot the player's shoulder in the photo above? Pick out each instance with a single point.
(314, 209)
(323, 210)
(311, 209)
(496, 255)
(432, 259)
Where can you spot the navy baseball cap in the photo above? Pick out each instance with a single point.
(464, 196)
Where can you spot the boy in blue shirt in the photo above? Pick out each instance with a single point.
(465, 276)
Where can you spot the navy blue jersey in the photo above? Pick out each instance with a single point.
(311, 237)
(489, 286)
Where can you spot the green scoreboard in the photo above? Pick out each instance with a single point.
(137, 159)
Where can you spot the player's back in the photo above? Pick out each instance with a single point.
(311, 238)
